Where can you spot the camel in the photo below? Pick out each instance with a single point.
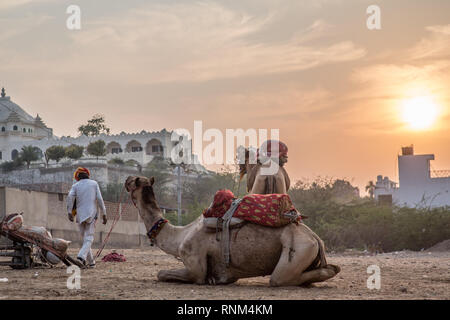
(292, 255)
(257, 183)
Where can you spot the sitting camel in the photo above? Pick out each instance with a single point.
(292, 254)
(257, 182)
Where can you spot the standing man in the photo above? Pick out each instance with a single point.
(82, 202)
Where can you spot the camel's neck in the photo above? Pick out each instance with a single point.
(250, 167)
(170, 237)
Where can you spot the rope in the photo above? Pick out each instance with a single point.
(237, 177)
(115, 220)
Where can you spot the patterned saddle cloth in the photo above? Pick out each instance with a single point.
(271, 210)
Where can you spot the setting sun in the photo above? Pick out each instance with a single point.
(420, 112)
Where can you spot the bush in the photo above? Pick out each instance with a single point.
(74, 152)
(12, 165)
(117, 161)
(362, 223)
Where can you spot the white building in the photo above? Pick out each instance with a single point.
(19, 129)
(418, 184)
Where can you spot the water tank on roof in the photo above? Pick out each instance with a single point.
(408, 151)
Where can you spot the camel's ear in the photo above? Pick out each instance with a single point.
(152, 181)
(148, 196)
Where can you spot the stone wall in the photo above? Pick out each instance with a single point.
(49, 210)
(63, 176)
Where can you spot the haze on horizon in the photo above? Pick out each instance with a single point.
(336, 90)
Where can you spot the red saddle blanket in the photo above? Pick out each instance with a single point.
(272, 210)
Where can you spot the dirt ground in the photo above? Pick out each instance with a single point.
(404, 275)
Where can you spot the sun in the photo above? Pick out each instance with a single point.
(420, 112)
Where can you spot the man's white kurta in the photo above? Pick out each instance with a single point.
(88, 196)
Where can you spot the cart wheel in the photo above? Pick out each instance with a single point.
(25, 260)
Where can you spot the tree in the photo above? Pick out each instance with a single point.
(74, 152)
(55, 153)
(97, 148)
(370, 187)
(29, 154)
(94, 127)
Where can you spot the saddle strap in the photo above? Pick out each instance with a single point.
(226, 230)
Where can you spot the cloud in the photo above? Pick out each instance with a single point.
(21, 25)
(8, 4)
(422, 69)
(11, 4)
(200, 42)
(444, 29)
(437, 45)
(425, 72)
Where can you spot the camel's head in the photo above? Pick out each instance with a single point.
(141, 189)
(243, 163)
(246, 156)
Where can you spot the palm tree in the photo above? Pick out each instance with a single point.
(29, 154)
(370, 187)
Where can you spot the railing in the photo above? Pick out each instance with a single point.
(439, 173)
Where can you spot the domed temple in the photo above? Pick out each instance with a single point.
(18, 128)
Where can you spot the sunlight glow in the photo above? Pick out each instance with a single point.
(420, 112)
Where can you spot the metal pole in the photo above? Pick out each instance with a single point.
(179, 195)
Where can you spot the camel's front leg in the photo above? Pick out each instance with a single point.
(194, 258)
(195, 272)
(178, 275)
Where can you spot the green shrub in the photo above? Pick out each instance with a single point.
(362, 223)
(8, 166)
(117, 161)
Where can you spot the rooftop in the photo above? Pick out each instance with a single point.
(12, 112)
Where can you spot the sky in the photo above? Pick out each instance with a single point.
(310, 68)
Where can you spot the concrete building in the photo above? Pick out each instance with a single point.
(418, 186)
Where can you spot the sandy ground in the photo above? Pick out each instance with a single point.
(404, 275)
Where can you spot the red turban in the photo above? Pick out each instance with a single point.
(282, 149)
(80, 170)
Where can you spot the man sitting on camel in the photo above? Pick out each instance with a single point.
(265, 168)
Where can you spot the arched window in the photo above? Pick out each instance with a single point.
(1, 155)
(133, 146)
(154, 147)
(15, 128)
(3, 129)
(113, 147)
(14, 154)
(24, 130)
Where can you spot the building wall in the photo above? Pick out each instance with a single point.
(416, 187)
(49, 210)
(10, 141)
